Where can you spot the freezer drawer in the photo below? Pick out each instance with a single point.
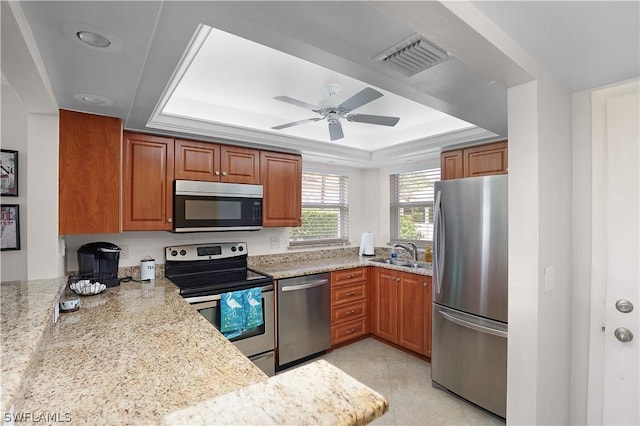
(469, 358)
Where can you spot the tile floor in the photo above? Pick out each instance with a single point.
(406, 382)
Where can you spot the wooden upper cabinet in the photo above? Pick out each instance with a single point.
(90, 164)
(490, 159)
(147, 183)
(481, 160)
(216, 163)
(197, 160)
(281, 176)
(451, 165)
(239, 165)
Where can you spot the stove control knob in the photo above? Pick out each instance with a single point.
(183, 252)
(174, 253)
(240, 248)
(233, 248)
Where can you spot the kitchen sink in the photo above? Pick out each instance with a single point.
(414, 265)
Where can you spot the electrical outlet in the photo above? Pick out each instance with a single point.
(549, 278)
(275, 242)
(124, 251)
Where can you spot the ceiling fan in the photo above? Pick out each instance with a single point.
(333, 112)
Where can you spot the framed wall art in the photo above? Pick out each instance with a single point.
(8, 173)
(10, 227)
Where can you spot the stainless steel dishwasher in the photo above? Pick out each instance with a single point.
(304, 317)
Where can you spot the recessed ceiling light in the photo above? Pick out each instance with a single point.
(91, 99)
(93, 39)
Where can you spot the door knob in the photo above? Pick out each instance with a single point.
(624, 306)
(623, 334)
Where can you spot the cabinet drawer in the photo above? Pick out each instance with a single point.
(348, 276)
(349, 330)
(348, 312)
(348, 293)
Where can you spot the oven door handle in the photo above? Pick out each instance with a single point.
(206, 305)
(215, 297)
(304, 286)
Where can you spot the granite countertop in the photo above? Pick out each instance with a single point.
(335, 399)
(138, 353)
(297, 264)
(27, 311)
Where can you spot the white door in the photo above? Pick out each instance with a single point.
(616, 250)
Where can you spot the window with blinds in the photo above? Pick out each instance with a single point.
(325, 210)
(412, 206)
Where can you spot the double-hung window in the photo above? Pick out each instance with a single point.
(325, 210)
(412, 206)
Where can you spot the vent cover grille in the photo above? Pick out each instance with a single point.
(413, 55)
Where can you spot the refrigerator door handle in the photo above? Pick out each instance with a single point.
(438, 238)
(472, 326)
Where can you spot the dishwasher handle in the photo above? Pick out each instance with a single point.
(305, 286)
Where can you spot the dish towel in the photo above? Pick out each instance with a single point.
(253, 308)
(240, 311)
(232, 313)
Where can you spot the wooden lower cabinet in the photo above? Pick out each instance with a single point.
(349, 305)
(400, 309)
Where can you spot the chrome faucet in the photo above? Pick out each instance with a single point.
(413, 250)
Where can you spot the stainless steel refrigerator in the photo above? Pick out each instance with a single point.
(469, 336)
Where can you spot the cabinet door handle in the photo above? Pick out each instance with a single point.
(224, 173)
(217, 172)
(424, 284)
(351, 312)
(351, 331)
(350, 276)
(170, 220)
(351, 293)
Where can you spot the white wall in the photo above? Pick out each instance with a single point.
(43, 255)
(539, 350)
(14, 136)
(554, 218)
(522, 372)
(581, 262)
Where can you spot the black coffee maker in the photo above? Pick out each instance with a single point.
(100, 259)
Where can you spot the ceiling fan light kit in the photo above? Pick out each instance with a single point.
(333, 113)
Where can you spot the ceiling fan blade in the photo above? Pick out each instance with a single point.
(335, 130)
(296, 102)
(364, 96)
(383, 120)
(295, 123)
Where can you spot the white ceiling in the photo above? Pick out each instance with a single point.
(583, 44)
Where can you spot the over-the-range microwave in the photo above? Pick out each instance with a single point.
(214, 206)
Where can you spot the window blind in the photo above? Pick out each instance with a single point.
(325, 210)
(412, 205)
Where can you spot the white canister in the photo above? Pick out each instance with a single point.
(147, 268)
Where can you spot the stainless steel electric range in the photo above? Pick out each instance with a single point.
(203, 272)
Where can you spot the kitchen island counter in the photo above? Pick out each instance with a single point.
(138, 353)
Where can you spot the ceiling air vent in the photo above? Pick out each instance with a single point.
(413, 55)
